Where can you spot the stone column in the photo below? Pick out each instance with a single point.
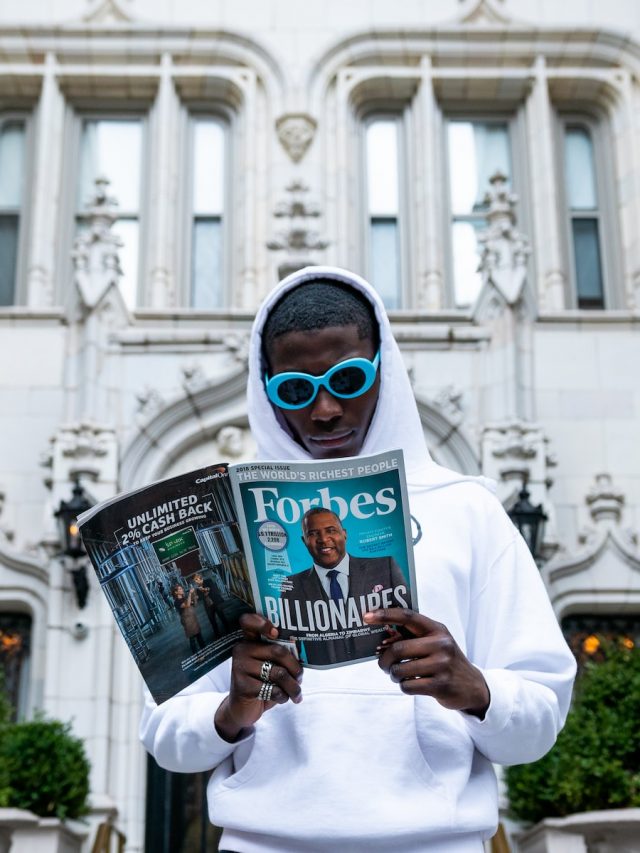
(430, 199)
(45, 194)
(548, 226)
(161, 290)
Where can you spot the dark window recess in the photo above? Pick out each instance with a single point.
(15, 651)
(586, 247)
(177, 820)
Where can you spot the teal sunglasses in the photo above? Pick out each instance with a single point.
(347, 379)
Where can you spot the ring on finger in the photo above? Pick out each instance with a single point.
(265, 671)
(266, 689)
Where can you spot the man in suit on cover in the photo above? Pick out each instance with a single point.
(336, 576)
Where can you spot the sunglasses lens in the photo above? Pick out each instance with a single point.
(347, 381)
(295, 392)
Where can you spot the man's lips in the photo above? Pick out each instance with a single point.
(333, 439)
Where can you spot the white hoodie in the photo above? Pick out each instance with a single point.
(359, 766)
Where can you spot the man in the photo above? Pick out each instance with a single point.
(394, 755)
(213, 605)
(337, 575)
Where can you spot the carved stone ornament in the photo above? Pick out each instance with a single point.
(84, 440)
(237, 343)
(605, 503)
(296, 132)
(95, 253)
(149, 401)
(107, 12)
(518, 451)
(6, 532)
(193, 377)
(298, 240)
(449, 401)
(503, 260)
(230, 441)
(480, 12)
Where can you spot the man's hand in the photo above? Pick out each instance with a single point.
(426, 661)
(242, 708)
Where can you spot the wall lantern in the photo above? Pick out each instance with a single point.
(529, 520)
(67, 517)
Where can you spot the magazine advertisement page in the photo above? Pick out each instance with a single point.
(169, 559)
(327, 541)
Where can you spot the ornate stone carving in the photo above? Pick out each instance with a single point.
(230, 440)
(83, 449)
(298, 239)
(106, 12)
(83, 440)
(503, 260)
(518, 451)
(95, 254)
(448, 400)
(6, 532)
(605, 503)
(237, 343)
(296, 132)
(482, 12)
(149, 401)
(193, 377)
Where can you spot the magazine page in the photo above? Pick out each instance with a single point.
(326, 541)
(170, 561)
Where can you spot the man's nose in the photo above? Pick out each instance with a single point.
(326, 407)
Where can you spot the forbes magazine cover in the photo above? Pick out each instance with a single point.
(328, 541)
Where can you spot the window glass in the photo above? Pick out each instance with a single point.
(383, 203)
(580, 171)
(476, 151)
(584, 215)
(12, 175)
(15, 653)
(207, 194)
(112, 148)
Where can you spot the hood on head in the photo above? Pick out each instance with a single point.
(395, 422)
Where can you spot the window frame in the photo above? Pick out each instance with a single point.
(225, 118)
(518, 180)
(401, 114)
(77, 114)
(596, 126)
(19, 284)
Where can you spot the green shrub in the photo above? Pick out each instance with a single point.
(595, 763)
(44, 769)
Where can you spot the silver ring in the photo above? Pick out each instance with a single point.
(265, 692)
(265, 670)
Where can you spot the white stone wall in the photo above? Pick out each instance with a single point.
(535, 387)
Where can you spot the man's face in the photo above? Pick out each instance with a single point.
(325, 538)
(329, 427)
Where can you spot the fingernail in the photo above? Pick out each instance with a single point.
(298, 699)
(273, 632)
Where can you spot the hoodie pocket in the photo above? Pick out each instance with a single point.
(336, 748)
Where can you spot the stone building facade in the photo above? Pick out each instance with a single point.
(162, 164)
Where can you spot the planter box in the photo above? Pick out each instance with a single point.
(23, 832)
(608, 831)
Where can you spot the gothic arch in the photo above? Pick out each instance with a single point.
(191, 419)
(447, 441)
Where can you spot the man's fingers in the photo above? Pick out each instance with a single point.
(415, 623)
(249, 657)
(255, 626)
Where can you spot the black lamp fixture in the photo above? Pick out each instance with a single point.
(67, 516)
(529, 520)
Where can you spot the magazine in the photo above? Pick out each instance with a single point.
(181, 560)
(299, 520)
